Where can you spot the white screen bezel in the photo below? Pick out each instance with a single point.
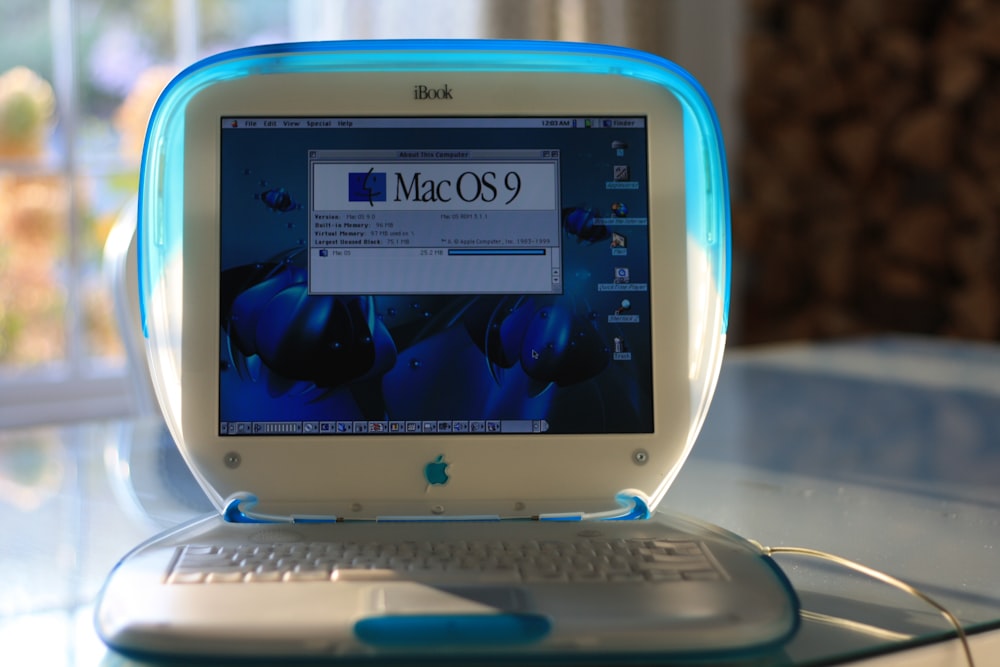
(368, 476)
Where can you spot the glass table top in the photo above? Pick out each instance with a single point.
(883, 451)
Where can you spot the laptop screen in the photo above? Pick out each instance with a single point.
(434, 276)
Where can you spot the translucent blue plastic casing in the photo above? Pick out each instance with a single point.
(161, 197)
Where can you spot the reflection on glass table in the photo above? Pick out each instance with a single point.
(882, 451)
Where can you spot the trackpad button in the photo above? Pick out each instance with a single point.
(427, 616)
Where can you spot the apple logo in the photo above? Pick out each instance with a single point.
(436, 471)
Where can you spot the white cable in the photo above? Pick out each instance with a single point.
(884, 578)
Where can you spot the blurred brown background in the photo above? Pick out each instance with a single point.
(867, 187)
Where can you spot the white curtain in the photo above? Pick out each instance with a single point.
(387, 19)
(639, 23)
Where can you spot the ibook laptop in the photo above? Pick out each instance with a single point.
(435, 324)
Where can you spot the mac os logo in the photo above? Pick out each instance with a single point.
(369, 186)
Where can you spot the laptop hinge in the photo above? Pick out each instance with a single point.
(633, 505)
(239, 509)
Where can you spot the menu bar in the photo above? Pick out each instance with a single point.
(271, 123)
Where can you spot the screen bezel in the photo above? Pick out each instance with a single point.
(369, 476)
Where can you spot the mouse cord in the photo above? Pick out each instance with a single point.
(884, 578)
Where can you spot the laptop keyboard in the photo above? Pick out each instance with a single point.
(608, 560)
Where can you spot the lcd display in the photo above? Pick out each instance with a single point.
(434, 276)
